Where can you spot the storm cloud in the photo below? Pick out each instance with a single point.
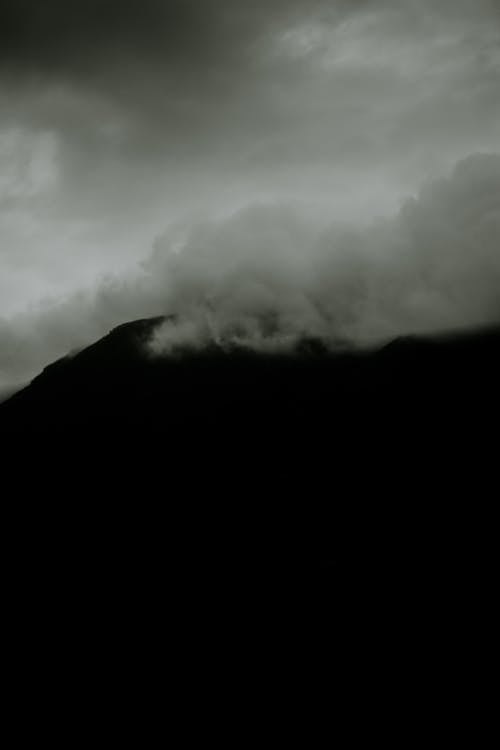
(264, 135)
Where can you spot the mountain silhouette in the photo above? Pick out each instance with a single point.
(327, 485)
(415, 386)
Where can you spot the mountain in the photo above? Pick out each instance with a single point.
(415, 386)
(7, 391)
(414, 403)
(350, 483)
(417, 416)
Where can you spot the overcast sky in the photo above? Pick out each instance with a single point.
(125, 122)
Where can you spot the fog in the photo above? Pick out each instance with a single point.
(270, 274)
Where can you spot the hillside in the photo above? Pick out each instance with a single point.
(318, 487)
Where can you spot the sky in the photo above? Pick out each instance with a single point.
(229, 159)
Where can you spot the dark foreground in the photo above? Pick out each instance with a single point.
(352, 495)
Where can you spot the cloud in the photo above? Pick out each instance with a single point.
(165, 109)
(270, 275)
(265, 277)
(173, 78)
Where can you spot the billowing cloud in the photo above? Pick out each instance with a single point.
(118, 119)
(264, 277)
(269, 275)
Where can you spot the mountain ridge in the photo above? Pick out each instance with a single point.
(317, 485)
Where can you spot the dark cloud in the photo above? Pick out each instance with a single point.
(79, 38)
(120, 118)
(156, 65)
(227, 79)
(229, 84)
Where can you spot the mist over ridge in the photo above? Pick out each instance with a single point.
(269, 275)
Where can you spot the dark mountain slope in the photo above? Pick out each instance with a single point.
(414, 392)
(359, 482)
(411, 424)
(416, 404)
